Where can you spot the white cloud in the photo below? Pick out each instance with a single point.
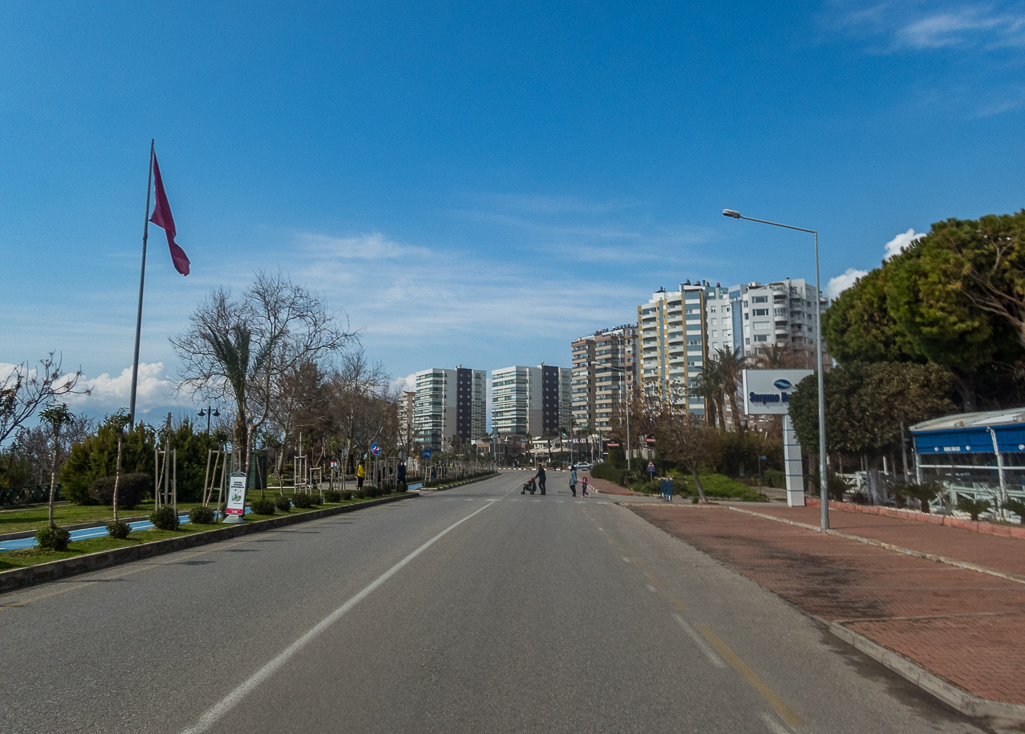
(407, 383)
(928, 26)
(155, 389)
(901, 242)
(840, 283)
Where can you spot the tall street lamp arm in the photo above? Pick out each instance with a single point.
(823, 480)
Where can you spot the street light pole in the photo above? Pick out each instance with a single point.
(823, 481)
(216, 414)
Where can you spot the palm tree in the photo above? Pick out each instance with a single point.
(731, 363)
(56, 416)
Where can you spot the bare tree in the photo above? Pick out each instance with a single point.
(237, 349)
(36, 445)
(693, 444)
(26, 388)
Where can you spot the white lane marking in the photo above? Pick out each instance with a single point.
(627, 559)
(774, 725)
(226, 704)
(710, 653)
(652, 589)
(602, 502)
(560, 501)
(472, 499)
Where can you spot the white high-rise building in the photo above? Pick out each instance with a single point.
(753, 317)
(449, 402)
(532, 401)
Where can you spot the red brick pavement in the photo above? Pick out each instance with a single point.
(993, 551)
(606, 487)
(966, 626)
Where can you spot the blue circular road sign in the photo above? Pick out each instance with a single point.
(375, 448)
(426, 454)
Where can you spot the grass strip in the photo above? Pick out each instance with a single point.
(33, 556)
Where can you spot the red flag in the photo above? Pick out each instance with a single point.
(162, 218)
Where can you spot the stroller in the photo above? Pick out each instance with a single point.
(530, 486)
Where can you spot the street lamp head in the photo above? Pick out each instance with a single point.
(217, 413)
(731, 213)
(201, 413)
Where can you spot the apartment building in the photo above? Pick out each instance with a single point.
(673, 345)
(604, 369)
(407, 413)
(449, 402)
(531, 401)
(753, 317)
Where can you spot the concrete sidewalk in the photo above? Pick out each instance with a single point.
(965, 626)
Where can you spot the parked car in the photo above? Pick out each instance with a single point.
(582, 466)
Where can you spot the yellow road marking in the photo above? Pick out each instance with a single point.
(653, 579)
(774, 699)
(679, 604)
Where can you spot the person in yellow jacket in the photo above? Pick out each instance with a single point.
(361, 474)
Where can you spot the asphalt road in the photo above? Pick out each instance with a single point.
(472, 610)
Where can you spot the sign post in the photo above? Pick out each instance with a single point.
(651, 471)
(236, 498)
(767, 392)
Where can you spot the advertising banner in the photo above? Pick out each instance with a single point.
(236, 494)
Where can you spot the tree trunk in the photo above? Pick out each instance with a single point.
(697, 484)
(53, 482)
(117, 475)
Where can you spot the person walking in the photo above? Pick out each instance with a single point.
(541, 477)
(361, 474)
(583, 487)
(400, 476)
(573, 480)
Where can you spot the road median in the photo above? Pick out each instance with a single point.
(54, 570)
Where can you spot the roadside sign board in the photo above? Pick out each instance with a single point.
(426, 454)
(651, 467)
(237, 493)
(767, 392)
(375, 448)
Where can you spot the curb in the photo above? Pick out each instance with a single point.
(457, 484)
(952, 695)
(936, 686)
(19, 577)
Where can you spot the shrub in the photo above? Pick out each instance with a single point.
(283, 503)
(164, 518)
(608, 472)
(973, 507)
(302, 501)
(921, 492)
(348, 496)
(315, 498)
(836, 487)
(118, 529)
(332, 495)
(131, 490)
(201, 516)
(774, 478)
(360, 494)
(54, 539)
(1018, 508)
(263, 506)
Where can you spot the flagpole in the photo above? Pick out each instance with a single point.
(142, 282)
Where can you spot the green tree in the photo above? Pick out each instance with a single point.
(857, 327)
(96, 457)
(866, 403)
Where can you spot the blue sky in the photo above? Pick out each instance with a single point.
(477, 183)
